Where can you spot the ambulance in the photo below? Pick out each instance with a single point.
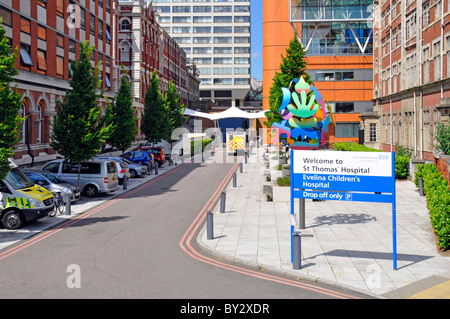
(22, 201)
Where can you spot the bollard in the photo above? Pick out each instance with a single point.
(245, 157)
(223, 199)
(156, 168)
(125, 182)
(241, 167)
(68, 212)
(209, 225)
(234, 180)
(297, 250)
(421, 186)
(301, 216)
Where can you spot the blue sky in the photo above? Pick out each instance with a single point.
(256, 35)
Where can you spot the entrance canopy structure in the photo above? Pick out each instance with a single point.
(232, 112)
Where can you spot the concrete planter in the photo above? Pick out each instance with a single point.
(281, 194)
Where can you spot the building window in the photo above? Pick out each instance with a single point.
(344, 107)
(25, 25)
(347, 130)
(373, 132)
(59, 67)
(22, 127)
(7, 16)
(42, 62)
(125, 25)
(60, 8)
(42, 33)
(25, 58)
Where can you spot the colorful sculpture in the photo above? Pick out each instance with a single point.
(305, 121)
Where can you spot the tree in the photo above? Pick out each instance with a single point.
(10, 103)
(292, 66)
(155, 123)
(78, 130)
(175, 109)
(124, 122)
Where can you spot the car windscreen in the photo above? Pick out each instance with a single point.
(53, 178)
(18, 180)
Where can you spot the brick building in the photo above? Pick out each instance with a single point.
(411, 72)
(48, 34)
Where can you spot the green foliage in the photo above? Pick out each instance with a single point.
(123, 119)
(292, 66)
(353, 147)
(175, 109)
(401, 150)
(401, 167)
(195, 144)
(78, 129)
(437, 192)
(284, 181)
(10, 103)
(155, 120)
(442, 137)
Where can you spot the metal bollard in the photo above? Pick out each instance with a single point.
(209, 225)
(421, 186)
(234, 180)
(125, 182)
(241, 167)
(246, 155)
(156, 168)
(297, 250)
(223, 199)
(68, 212)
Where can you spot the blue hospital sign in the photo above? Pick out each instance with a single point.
(345, 176)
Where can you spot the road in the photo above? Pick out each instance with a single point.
(143, 245)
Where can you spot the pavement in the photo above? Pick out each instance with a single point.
(346, 244)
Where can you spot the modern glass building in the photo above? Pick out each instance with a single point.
(334, 26)
(337, 36)
(216, 37)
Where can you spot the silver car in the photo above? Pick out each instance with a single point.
(135, 169)
(53, 183)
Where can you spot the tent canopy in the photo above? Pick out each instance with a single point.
(232, 112)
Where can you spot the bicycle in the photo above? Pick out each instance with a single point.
(59, 205)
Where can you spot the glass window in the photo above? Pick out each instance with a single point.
(347, 130)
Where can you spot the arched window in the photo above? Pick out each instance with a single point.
(125, 25)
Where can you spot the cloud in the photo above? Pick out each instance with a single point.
(256, 55)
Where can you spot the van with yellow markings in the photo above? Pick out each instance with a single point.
(21, 201)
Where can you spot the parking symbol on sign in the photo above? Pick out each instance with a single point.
(348, 196)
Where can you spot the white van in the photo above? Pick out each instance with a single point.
(22, 201)
(97, 176)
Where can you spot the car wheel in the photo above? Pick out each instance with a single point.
(13, 219)
(90, 191)
(133, 173)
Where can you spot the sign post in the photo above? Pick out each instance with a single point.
(345, 176)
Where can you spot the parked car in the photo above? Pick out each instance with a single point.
(157, 151)
(97, 176)
(53, 183)
(135, 169)
(21, 200)
(139, 157)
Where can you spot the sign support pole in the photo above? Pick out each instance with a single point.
(292, 203)
(394, 213)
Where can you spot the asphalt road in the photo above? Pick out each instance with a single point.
(142, 245)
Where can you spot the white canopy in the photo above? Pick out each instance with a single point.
(232, 112)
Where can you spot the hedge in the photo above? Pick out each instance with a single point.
(437, 192)
(401, 162)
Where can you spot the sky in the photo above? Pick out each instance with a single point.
(256, 38)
